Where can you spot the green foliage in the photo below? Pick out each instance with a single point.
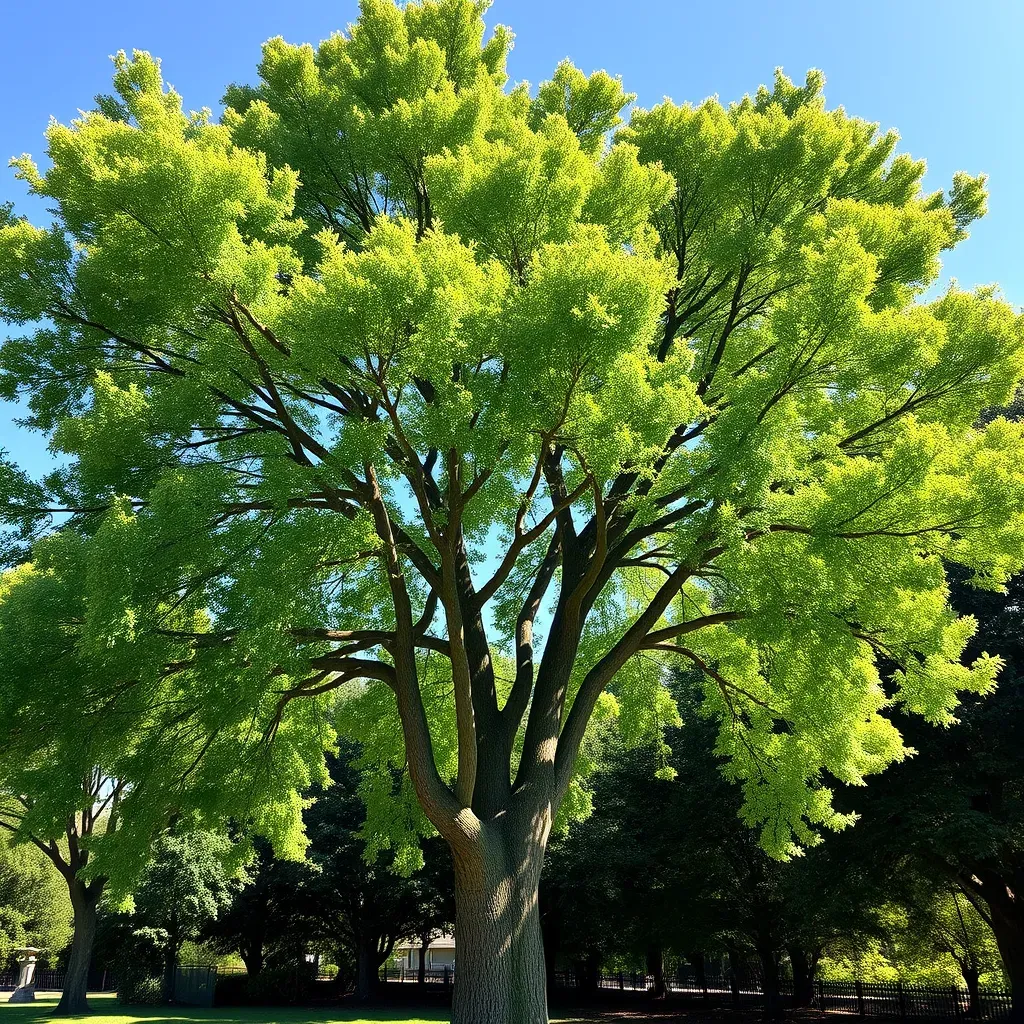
(320, 369)
(34, 905)
(191, 878)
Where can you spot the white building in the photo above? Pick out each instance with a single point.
(440, 954)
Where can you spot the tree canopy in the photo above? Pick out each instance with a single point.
(488, 402)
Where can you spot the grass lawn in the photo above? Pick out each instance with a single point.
(106, 1011)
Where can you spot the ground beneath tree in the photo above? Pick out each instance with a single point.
(105, 1010)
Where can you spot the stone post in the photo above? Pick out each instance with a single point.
(26, 990)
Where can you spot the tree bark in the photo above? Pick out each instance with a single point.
(656, 969)
(770, 982)
(803, 975)
(700, 975)
(970, 975)
(367, 966)
(499, 977)
(252, 957)
(84, 899)
(1008, 927)
(421, 971)
(170, 964)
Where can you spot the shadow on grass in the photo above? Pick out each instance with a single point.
(105, 1010)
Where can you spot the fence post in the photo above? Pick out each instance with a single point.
(621, 982)
(446, 979)
(902, 1000)
(859, 989)
(821, 995)
(734, 984)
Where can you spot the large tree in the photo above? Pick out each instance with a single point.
(394, 367)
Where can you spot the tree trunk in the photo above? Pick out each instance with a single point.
(366, 972)
(700, 974)
(1008, 927)
(84, 899)
(770, 982)
(803, 976)
(973, 992)
(656, 969)
(252, 957)
(499, 976)
(170, 969)
(421, 971)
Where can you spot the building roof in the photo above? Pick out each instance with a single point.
(445, 941)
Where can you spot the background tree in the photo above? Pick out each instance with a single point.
(358, 901)
(267, 919)
(92, 770)
(34, 905)
(396, 362)
(188, 882)
(954, 811)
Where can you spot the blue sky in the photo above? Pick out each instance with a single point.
(949, 76)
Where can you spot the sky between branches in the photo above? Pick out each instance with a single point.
(949, 78)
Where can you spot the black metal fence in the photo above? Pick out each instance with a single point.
(45, 981)
(888, 1000)
(432, 975)
(53, 981)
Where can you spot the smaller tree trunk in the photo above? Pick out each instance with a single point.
(421, 972)
(170, 964)
(84, 900)
(971, 978)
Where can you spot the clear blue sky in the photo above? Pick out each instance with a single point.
(948, 75)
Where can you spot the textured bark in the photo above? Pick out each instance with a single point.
(1008, 927)
(656, 969)
(769, 958)
(499, 976)
(803, 975)
(697, 962)
(76, 980)
(973, 991)
(421, 971)
(252, 957)
(367, 965)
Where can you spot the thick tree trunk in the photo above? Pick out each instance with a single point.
(803, 975)
(499, 968)
(656, 970)
(367, 966)
(1008, 928)
(76, 980)
(770, 982)
(700, 975)
(253, 960)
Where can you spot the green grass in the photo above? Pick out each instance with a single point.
(106, 1011)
